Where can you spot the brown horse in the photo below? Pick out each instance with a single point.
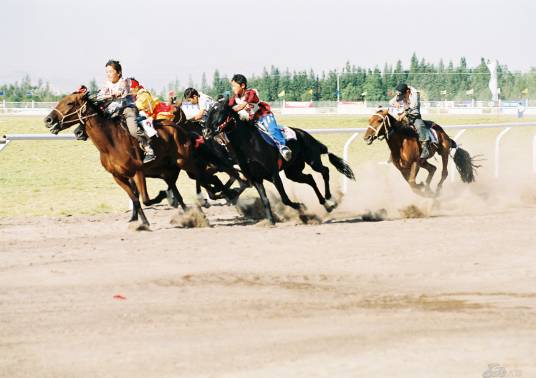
(121, 155)
(406, 150)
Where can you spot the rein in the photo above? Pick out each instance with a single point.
(386, 124)
(78, 112)
(226, 123)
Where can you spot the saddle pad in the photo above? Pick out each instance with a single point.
(434, 137)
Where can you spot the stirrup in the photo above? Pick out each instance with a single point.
(149, 157)
(286, 153)
(425, 148)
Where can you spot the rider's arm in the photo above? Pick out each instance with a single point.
(250, 99)
(415, 102)
(240, 107)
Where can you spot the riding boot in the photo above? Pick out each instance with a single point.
(149, 152)
(425, 150)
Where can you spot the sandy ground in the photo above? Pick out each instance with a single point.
(441, 296)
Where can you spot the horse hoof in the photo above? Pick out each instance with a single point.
(310, 219)
(170, 197)
(330, 205)
(300, 206)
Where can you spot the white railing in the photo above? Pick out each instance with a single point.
(6, 139)
(323, 108)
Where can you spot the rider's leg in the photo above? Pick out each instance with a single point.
(130, 115)
(269, 122)
(424, 137)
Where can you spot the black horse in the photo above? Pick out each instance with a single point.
(261, 161)
(220, 153)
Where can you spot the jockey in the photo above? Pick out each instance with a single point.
(199, 105)
(118, 91)
(247, 104)
(152, 107)
(408, 99)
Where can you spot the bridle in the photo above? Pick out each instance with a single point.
(385, 124)
(225, 124)
(78, 112)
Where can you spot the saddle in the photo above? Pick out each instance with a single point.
(430, 125)
(433, 132)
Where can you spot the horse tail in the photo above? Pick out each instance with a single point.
(341, 166)
(313, 148)
(465, 164)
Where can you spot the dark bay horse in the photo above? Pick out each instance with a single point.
(121, 155)
(406, 150)
(214, 148)
(261, 161)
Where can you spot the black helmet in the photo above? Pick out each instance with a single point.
(402, 87)
(401, 90)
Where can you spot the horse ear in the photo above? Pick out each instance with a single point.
(81, 90)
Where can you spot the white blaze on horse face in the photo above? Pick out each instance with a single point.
(375, 123)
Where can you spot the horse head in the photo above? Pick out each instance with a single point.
(70, 110)
(379, 125)
(220, 116)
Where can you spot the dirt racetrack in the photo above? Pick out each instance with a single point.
(365, 294)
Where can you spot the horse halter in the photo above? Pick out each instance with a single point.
(386, 124)
(78, 112)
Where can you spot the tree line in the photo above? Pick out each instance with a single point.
(25, 90)
(435, 81)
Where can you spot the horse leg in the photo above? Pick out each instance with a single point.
(177, 195)
(233, 176)
(201, 200)
(134, 187)
(444, 171)
(149, 202)
(171, 181)
(140, 185)
(412, 177)
(284, 197)
(210, 182)
(317, 166)
(124, 183)
(264, 198)
(303, 178)
(229, 182)
(431, 170)
(218, 186)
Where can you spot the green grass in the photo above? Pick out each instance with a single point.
(66, 177)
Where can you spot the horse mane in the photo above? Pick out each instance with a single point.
(99, 105)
